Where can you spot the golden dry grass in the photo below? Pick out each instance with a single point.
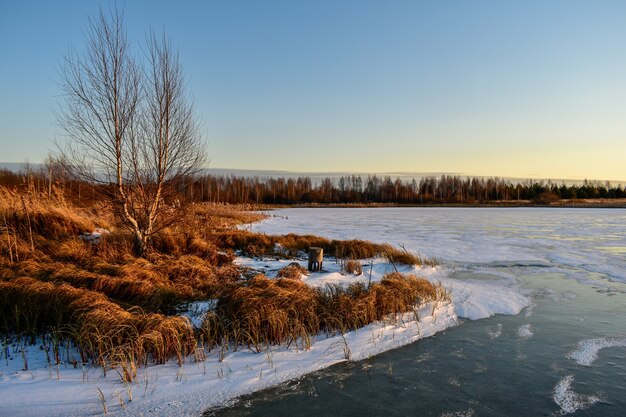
(293, 271)
(290, 245)
(265, 311)
(357, 305)
(40, 239)
(352, 266)
(101, 329)
(99, 295)
(49, 216)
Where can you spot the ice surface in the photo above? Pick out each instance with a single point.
(587, 351)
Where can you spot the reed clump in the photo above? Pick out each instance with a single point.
(358, 305)
(265, 311)
(293, 271)
(101, 329)
(352, 266)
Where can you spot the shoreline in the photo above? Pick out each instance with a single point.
(588, 203)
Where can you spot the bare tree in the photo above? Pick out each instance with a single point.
(131, 125)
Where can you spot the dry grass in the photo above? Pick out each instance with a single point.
(284, 310)
(352, 266)
(253, 244)
(217, 217)
(105, 333)
(290, 245)
(292, 271)
(31, 220)
(39, 237)
(100, 296)
(267, 311)
(357, 305)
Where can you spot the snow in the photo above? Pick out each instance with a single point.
(196, 311)
(587, 350)
(93, 236)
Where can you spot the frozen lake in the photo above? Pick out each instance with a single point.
(563, 355)
(592, 240)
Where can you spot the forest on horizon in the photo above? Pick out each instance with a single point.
(348, 189)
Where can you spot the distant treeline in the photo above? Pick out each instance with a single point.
(352, 189)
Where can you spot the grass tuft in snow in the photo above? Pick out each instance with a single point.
(285, 311)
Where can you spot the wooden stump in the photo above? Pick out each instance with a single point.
(316, 258)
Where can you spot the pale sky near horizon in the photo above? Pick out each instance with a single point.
(496, 88)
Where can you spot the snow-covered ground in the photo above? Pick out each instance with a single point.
(188, 390)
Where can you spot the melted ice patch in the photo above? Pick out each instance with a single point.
(568, 400)
(525, 331)
(494, 333)
(462, 413)
(587, 351)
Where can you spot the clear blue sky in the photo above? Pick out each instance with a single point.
(524, 89)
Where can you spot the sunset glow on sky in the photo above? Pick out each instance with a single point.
(513, 89)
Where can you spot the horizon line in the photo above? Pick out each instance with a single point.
(16, 166)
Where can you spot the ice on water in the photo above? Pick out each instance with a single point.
(587, 350)
(570, 401)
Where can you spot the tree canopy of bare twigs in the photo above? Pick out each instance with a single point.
(130, 124)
